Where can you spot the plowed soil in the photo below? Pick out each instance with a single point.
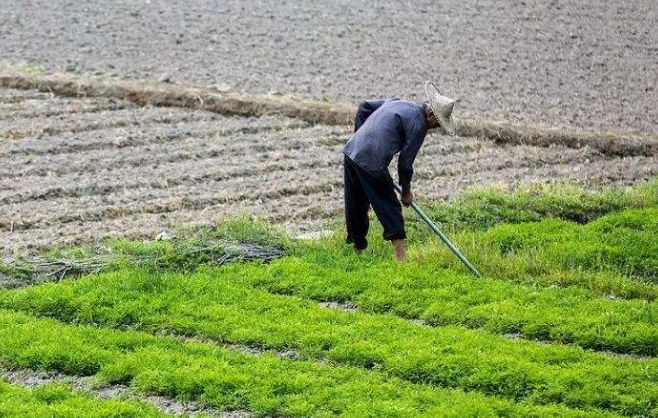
(588, 64)
(80, 170)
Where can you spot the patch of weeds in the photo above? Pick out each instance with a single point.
(241, 239)
(483, 209)
(18, 271)
(245, 229)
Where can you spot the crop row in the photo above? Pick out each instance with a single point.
(56, 400)
(616, 256)
(439, 296)
(625, 242)
(483, 209)
(621, 248)
(229, 380)
(212, 304)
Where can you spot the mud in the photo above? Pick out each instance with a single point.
(79, 176)
(590, 64)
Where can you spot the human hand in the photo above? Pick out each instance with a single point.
(407, 198)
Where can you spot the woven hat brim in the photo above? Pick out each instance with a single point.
(447, 124)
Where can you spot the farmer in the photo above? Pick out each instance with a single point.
(382, 129)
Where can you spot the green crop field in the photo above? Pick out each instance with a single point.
(564, 322)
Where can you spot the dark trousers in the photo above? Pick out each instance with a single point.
(363, 190)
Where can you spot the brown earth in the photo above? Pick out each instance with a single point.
(79, 170)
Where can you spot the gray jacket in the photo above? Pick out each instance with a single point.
(382, 129)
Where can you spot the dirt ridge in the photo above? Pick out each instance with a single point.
(76, 147)
(146, 92)
(79, 190)
(92, 167)
(98, 125)
(154, 206)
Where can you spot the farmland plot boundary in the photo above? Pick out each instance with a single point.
(148, 92)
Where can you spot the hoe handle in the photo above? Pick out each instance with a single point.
(441, 235)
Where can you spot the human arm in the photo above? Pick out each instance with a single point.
(414, 132)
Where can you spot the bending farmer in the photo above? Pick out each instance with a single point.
(383, 128)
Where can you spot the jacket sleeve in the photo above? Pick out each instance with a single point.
(414, 136)
(366, 108)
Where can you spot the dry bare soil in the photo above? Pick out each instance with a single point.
(81, 169)
(589, 64)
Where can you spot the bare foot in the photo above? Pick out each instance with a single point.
(400, 252)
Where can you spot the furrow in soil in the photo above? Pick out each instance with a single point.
(58, 107)
(80, 177)
(32, 379)
(163, 176)
(134, 135)
(13, 96)
(271, 185)
(177, 149)
(81, 122)
(296, 214)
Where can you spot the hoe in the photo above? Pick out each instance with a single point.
(441, 235)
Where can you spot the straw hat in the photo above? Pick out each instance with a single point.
(441, 106)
